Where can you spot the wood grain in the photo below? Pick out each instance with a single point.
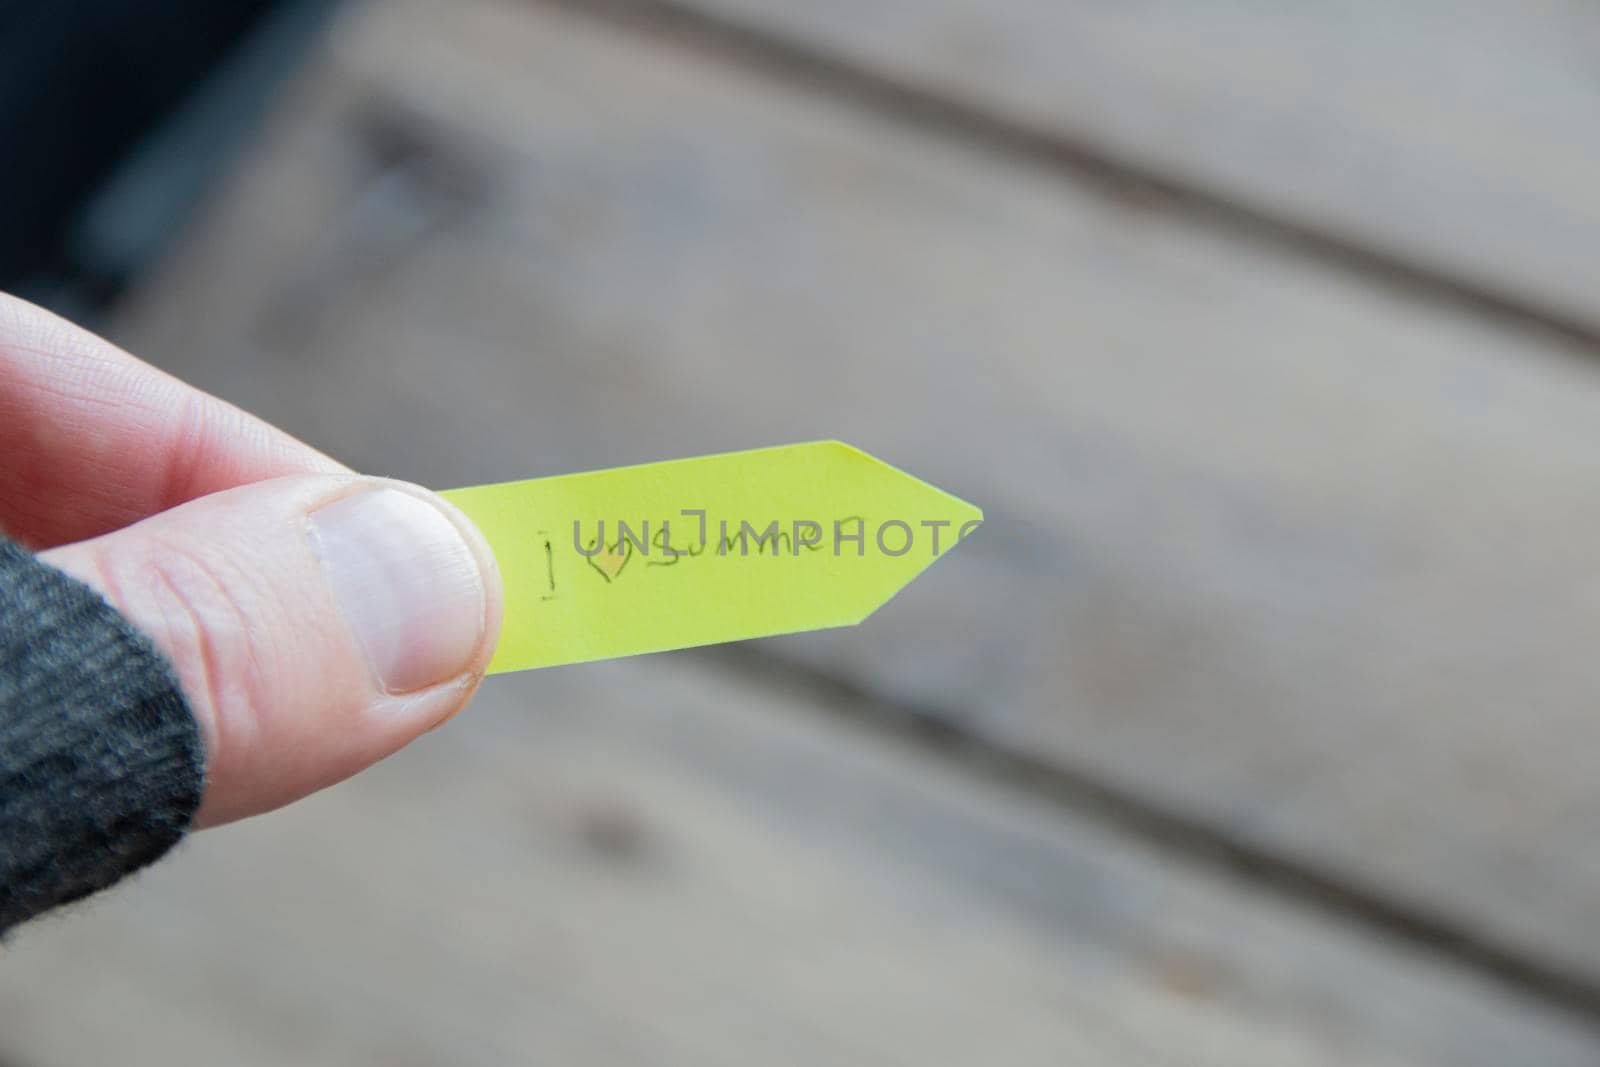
(1291, 557)
(651, 862)
(1447, 137)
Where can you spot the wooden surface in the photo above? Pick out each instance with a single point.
(1447, 135)
(1281, 567)
(658, 863)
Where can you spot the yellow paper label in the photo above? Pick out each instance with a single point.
(699, 551)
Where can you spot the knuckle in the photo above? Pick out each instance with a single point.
(199, 617)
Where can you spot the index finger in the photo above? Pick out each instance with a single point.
(92, 439)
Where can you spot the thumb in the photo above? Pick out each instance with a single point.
(317, 624)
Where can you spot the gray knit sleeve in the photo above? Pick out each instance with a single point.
(101, 762)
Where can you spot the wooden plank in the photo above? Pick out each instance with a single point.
(1447, 136)
(654, 863)
(1267, 548)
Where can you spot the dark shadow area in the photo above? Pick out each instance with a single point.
(113, 114)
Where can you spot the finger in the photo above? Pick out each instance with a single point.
(91, 439)
(317, 624)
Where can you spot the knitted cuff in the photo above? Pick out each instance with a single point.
(101, 762)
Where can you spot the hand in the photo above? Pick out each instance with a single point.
(318, 620)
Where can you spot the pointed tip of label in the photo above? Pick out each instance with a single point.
(970, 511)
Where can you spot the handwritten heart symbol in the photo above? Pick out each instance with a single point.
(610, 560)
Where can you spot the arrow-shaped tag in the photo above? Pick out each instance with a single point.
(698, 551)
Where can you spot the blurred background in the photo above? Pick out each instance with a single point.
(1259, 725)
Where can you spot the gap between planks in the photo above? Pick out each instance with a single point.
(936, 731)
(1168, 827)
(1089, 164)
(1573, 989)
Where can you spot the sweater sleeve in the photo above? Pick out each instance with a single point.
(101, 762)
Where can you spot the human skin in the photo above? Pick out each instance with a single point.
(317, 619)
